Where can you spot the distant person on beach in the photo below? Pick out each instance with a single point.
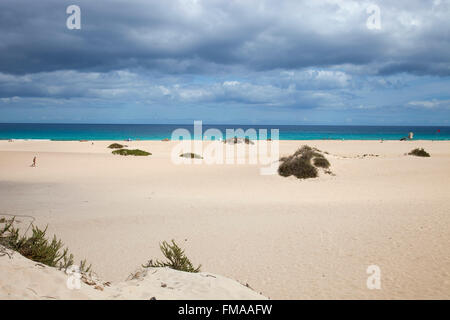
(34, 162)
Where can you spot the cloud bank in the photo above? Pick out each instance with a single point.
(265, 61)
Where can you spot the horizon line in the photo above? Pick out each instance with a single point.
(225, 124)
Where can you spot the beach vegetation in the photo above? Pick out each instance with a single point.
(248, 141)
(191, 155)
(133, 152)
(236, 140)
(321, 162)
(37, 247)
(303, 163)
(176, 259)
(116, 146)
(419, 152)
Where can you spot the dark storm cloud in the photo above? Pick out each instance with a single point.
(188, 36)
(266, 60)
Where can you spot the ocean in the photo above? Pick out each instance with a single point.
(162, 131)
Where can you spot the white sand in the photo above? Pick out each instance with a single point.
(21, 278)
(287, 238)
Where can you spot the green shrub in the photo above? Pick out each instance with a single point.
(419, 153)
(303, 163)
(38, 248)
(176, 259)
(191, 155)
(128, 152)
(116, 146)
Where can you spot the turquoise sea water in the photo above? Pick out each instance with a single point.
(161, 131)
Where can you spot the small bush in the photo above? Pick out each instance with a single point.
(419, 153)
(321, 162)
(236, 140)
(191, 155)
(297, 167)
(303, 163)
(116, 146)
(38, 248)
(248, 141)
(128, 152)
(176, 259)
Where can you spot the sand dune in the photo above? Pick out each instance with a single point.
(21, 278)
(287, 238)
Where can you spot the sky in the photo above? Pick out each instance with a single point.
(329, 62)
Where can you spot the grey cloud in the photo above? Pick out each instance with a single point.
(181, 58)
(304, 89)
(201, 37)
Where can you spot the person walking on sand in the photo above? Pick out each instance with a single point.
(34, 162)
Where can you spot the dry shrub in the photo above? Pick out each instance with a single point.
(303, 163)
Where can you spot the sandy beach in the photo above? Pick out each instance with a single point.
(286, 238)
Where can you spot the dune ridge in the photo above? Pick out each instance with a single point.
(21, 278)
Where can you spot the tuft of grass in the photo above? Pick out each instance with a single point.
(116, 146)
(419, 152)
(191, 155)
(303, 163)
(176, 259)
(4, 231)
(134, 152)
(38, 248)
